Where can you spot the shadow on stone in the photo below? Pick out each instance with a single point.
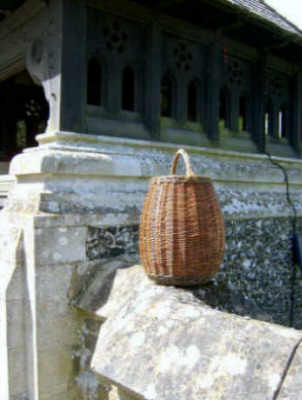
(220, 296)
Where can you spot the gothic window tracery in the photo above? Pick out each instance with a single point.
(234, 96)
(235, 73)
(183, 57)
(277, 96)
(275, 85)
(185, 94)
(116, 37)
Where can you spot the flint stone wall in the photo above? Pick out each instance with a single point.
(255, 279)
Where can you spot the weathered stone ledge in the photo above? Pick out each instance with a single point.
(112, 183)
(164, 343)
(72, 140)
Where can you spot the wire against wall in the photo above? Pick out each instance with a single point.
(294, 235)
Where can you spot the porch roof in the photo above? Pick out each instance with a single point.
(262, 10)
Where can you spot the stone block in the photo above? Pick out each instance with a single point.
(21, 396)
(17, 313)
(55, 368)
(17, 366)
(16, 288)
(188, 349)
(52, 285)
(57, 322)
(56, 330)
(59, 396)
(59, 246)
(10, 242)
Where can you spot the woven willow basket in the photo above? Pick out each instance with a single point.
(181, 238)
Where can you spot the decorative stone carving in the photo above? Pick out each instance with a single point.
(115, 36)
(276, 85)
(40, 67)
(43, 61)
(36, 60)
(183, 57)
(236, 73)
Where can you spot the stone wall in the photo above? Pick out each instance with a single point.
(256, 277)
(258, 266)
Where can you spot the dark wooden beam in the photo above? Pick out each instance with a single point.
(258, 101)
(296, 113)
(213, 84)
(153, 79)
(230, 27)
(9, 5)
(275, 46)
(164, 4)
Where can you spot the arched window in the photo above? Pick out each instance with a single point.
(192, 101)
(128, 89)
(243, 114)
(166, 96)
(224, 108)
(94, 83)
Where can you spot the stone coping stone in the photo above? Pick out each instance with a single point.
(164, 343)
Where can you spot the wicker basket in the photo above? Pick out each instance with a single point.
(181, 239)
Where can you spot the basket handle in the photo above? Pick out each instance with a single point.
(184, 154)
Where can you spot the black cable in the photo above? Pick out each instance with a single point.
(294, 226)
(289, 200)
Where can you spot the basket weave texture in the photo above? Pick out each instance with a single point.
(181, 238)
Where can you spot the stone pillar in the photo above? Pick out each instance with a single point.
(12, 298)
(153, 79)
(39, 329)
(213, 89)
